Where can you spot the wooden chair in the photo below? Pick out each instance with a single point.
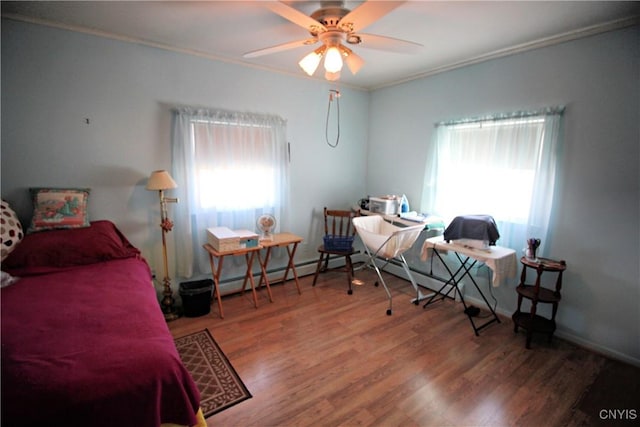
(337, 224)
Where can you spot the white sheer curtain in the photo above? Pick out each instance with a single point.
(230, 168)
(503, 166)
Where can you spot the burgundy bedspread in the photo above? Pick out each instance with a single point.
(88, 345)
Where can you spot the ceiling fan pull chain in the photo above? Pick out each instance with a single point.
(333, 93)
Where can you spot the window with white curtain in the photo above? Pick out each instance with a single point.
(503, 166)
(231, 167)
(237, 154)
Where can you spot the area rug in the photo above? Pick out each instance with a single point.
(219, 384)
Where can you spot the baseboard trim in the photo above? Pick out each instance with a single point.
(597, 348)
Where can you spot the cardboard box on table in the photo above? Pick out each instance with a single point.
(224, 239)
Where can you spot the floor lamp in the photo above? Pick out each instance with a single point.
(160, 180)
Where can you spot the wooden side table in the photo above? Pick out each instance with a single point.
(288, 240)
(249, 254)
(531, 321)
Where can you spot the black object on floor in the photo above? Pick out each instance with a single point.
(472, 311)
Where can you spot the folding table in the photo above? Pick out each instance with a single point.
(249, 255)
(288, 240)
(500, 260)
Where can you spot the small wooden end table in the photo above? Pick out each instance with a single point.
(249, 254)
(288, 240)
(531, 321)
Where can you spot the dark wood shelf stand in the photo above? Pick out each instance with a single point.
(531, 321)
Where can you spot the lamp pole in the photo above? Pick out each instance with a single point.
(161, 180)
(168, 301)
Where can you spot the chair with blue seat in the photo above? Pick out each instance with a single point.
(339, 233)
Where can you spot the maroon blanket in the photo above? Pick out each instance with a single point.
(88, 346)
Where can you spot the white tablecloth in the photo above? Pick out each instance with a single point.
(502, 261)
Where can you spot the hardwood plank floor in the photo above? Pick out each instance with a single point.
(325, 358)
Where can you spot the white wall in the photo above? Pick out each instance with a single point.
(596, 213)
(53, 79)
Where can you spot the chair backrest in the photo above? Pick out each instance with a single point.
(338, 222)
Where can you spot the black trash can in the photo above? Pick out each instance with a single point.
(196, 297)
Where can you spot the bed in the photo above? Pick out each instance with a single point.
(84, 342)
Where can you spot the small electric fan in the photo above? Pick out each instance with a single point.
(266, 224)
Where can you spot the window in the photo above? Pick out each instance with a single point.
(230, 168)
(238, 155)
(501, 166)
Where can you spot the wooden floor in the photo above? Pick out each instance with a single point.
(325, 358)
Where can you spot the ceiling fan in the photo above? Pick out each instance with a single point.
(336, 26)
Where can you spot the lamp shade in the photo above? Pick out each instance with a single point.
(333, 60)
(354, 62)
(310, 62)
(160, 180)
(332, 77)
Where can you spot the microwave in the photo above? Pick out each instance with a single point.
(388, 205)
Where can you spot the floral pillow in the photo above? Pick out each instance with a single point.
(56, 208)
(10, 228)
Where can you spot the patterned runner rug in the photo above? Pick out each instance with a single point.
(219, 384)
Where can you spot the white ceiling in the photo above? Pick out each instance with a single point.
(453, 33)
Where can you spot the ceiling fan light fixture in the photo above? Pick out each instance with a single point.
(354, 62)
(334, 25)
(333, 60)
(311, 61)
(332, 77)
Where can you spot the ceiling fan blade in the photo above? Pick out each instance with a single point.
(296, 16)
(366, 14)
(390, 44)
(280, 48)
